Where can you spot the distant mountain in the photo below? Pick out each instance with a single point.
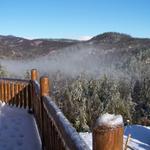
(111, 37)
(106, 53)
(110, 42)
(118, 41)
(21, 48)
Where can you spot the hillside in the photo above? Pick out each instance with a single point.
(110, 42)
(106, 53)
(20, 48)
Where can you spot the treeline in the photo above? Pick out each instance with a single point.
(83, 100)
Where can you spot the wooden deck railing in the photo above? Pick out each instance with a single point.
(15, 92)
(56, 132)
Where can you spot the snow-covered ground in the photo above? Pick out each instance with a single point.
(18, 130)
(140, 137)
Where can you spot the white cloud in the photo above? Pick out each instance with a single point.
(85, 38)
(27, 37)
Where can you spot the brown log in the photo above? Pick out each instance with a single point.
(44, 91)
(8, 92)
(25, 96)
(13, 93)
(2, 90)
(17, 94)
(108, 138)
(44, 86)
(5, 91)
(34, 74)
(20, 94)
(29, 97)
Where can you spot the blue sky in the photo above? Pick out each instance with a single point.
(74, 18)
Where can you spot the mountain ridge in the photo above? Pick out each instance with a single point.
(13, 47)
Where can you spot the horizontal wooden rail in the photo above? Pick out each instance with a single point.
(36, 100)
(15, 80)
(66, 136)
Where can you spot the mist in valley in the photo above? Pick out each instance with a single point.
(70, 62)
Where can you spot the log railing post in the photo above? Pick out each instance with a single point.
(44, 86)
(17, 94)
(108, 135)
(34, 77)
(8, 92)
(5, 91)
(34, 74)
(2, 90)
(13, 93)
(44, 91)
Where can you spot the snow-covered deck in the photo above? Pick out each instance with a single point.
(18, 130)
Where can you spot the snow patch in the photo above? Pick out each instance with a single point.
(87, 137)
(18, 129)
(85, 38)
(109, 120)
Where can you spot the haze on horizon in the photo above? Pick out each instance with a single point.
(74, 19)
